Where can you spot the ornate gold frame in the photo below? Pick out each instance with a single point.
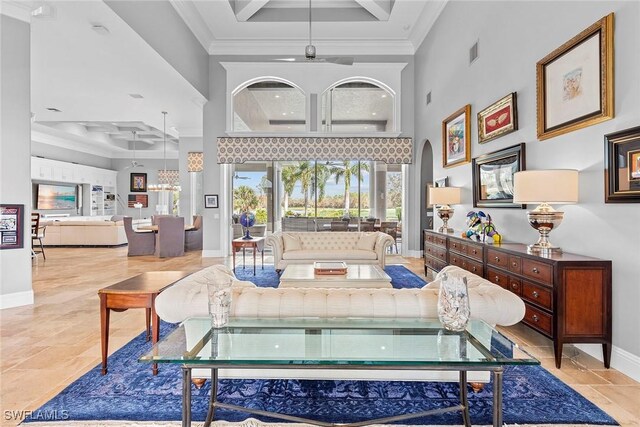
(605, 27)
(510, 100)
(466, 110)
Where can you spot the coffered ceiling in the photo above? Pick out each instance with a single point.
(340, 27)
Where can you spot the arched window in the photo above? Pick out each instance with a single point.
(269, 106)
(358, 106)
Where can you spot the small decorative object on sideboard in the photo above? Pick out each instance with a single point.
(481, 228)
(453, 303)
(546, 187)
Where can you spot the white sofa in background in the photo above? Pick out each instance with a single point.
(307, 247)
(84, 233)
(188, 298)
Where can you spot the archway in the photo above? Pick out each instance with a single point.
(426, 178)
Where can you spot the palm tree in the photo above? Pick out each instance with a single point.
(245, 199)
(289, 179)
(305, 172)
(346, 170)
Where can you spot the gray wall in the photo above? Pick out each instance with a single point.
(151, 168)
(15, 154)
(513, 36)
(65, 155)
(161, 27)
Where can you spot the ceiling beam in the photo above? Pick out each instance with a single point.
(381, 9)
(243, 13)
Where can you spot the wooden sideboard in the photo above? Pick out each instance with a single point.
(567, 296)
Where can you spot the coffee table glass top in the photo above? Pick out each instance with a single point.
(338, 343)
(355, 272)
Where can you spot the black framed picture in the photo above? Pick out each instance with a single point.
(622, 166)
(138, 183)
(11, 226)
(211, 201)
(493, 177)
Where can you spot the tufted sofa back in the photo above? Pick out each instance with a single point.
(328, 240)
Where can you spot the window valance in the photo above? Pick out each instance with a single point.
(244, 149)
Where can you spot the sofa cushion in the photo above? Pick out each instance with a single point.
(353, 254)
(367, 242)
(291, 242)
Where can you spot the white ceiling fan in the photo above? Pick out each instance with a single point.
(310, 53)
(134, 162)
(238, 176)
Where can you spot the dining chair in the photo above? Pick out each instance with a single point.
(170, 237)
(139, 242)
(367, 226)
(339, 226)
(193, 238)
(37, 233)
(390, 228)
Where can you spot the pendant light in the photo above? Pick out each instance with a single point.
(164, 183)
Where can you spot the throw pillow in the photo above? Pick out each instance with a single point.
(291, 242)
(367, 242)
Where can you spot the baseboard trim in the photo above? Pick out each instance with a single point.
(16, 299)
(621, 360)
(212, 253)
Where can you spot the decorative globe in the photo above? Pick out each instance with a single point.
(247, 219)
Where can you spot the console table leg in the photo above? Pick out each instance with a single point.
(463, 399)
(212, 399)
(606, 354)
(104, 331)
(186, 396)
(557, 350)
(497, 398)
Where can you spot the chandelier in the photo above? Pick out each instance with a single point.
(165, 180)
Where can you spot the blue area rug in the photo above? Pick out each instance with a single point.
(129, 391)
(268, 278)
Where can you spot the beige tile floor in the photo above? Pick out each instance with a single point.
(46, 346)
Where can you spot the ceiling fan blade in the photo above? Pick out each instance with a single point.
(340, 60)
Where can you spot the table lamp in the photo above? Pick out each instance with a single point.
(545, 187)
(442, 197)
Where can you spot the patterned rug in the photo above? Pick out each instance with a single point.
(130, 393)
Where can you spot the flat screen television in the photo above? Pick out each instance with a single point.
(56, 197)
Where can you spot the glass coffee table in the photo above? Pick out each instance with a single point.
(335, 344)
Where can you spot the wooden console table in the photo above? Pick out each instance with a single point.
(567, 296)
(255, 243)
(135, 292)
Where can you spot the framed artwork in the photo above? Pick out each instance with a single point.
(500, 118)
(134, 199)
(622, 166)
(442, 182)
(211, 201)
(138, 183)
(575, 82)
(11, 226)
(426, 195)
(456, 138)
(493, 177)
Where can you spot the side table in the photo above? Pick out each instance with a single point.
(256, 243)
(135, 292)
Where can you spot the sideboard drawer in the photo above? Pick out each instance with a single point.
(474, 267)
(428, 237)
(458, 246)
(515, 285)
(497, 277)
(538, 295)
(538, 271)
(498, 259)
(456, 260)
(440, 241)
(475, 251)
(515, 264)
(539, 320)
(434, 264)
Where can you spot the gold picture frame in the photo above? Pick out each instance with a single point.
(456, 138)
(498, 119)
(574, 83)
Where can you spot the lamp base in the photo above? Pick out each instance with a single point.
(445, 212)
(544, 219)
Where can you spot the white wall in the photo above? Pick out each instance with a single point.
(513, 36)
(15, 155)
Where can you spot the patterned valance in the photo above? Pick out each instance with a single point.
(168, 176)
(245, 149)
(195, 161)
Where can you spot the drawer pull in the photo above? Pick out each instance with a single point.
(497, 259)
(455, 260)
(535, 294)
(514, 286)
(474, 269)
(514, 264)
(497, 279)
(535, 318)
(535, 270)
(474, 251)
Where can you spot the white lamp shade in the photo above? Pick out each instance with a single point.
(444, 195)
(558, 186)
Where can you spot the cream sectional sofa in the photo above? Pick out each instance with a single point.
(188, 298)
(84, 233)
(307, 247)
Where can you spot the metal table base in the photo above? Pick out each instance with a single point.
(497, 372)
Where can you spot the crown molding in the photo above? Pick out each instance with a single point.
(324, 47)
(425, 22)
(16, 9)
(193, 19)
